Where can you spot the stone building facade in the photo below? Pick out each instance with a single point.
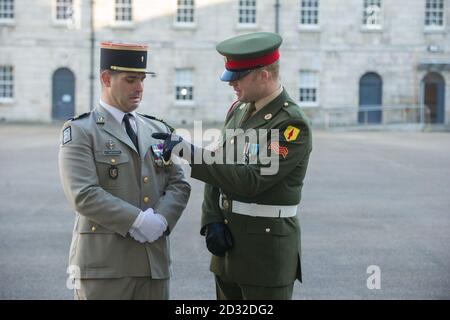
(337, 55)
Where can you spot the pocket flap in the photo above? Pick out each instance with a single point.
(110, 159)
(87, 226)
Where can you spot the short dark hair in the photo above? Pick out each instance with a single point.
(274, 69)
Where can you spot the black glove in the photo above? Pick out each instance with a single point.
(170, 141)
(218, 238)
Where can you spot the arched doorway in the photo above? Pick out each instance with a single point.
(63, 94)
(370, 98)
(434, 97)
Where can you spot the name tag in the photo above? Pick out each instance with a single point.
(112, 152)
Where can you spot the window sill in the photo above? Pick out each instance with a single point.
(247, 26)
(184, 104)
(372, 29)
(62, 23)
(434, 30)
(312, 105)
(8, 22)
(309, 28)
(184, 26)
(6, 101)
(123, 25)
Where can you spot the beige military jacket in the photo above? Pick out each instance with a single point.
(108, 183)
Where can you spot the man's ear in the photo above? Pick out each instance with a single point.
(265, 75)
(105, 77)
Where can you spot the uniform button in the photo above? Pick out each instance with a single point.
(113, 161)
(286, 104)
(93, 228)
(145, 179)
(232, 141)
(225, 221)
(146, 199)
(267, 230)
(226, 204)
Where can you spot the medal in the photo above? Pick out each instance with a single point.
(157, 151)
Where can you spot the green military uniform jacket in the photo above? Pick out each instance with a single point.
(266, 251)
(108, 183)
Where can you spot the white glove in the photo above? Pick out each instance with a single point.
(148, 226)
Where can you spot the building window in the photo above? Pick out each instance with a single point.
(185, 11)
(309, 12)
(6, 83)
(372, 14)
(308, 89)
(184, 87)
(247, 11)
(434, 13)
(6, 10)
(64, 10)
(124, 11)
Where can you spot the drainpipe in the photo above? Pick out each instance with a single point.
(422, 104)
(277, 16)
(92, 52)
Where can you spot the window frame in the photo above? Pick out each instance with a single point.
(63, 22)
(10, 20)
(179, 85)
(302, 9)
(7, 99)
(123, 23)
(372, 27)
(308, 86)
(435, 27)
(184, 6)
(247, 25)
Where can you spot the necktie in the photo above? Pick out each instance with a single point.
(130, 131)
(250, 110)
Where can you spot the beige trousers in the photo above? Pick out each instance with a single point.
(130, 288)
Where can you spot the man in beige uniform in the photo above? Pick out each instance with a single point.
(127, 200)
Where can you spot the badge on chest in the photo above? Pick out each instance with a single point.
(113, 172)
(110, 149)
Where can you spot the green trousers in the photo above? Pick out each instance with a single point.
(234, 291)
(130, 288)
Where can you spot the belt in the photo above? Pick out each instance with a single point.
(257, 210)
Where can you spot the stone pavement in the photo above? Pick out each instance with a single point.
(370, 198)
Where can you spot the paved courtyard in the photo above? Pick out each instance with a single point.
(370, 199)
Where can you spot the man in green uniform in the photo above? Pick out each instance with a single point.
(126, 200)
(249, 218)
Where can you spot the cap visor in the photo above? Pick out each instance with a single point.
(229, 75)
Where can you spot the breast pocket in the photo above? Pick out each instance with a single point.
(113, 171)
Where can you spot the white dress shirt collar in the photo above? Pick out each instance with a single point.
(115, 112)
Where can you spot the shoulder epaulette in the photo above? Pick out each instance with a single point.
(81, 116)
(172, 129)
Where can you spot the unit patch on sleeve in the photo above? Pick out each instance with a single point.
(67, 135)
(291, 133)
